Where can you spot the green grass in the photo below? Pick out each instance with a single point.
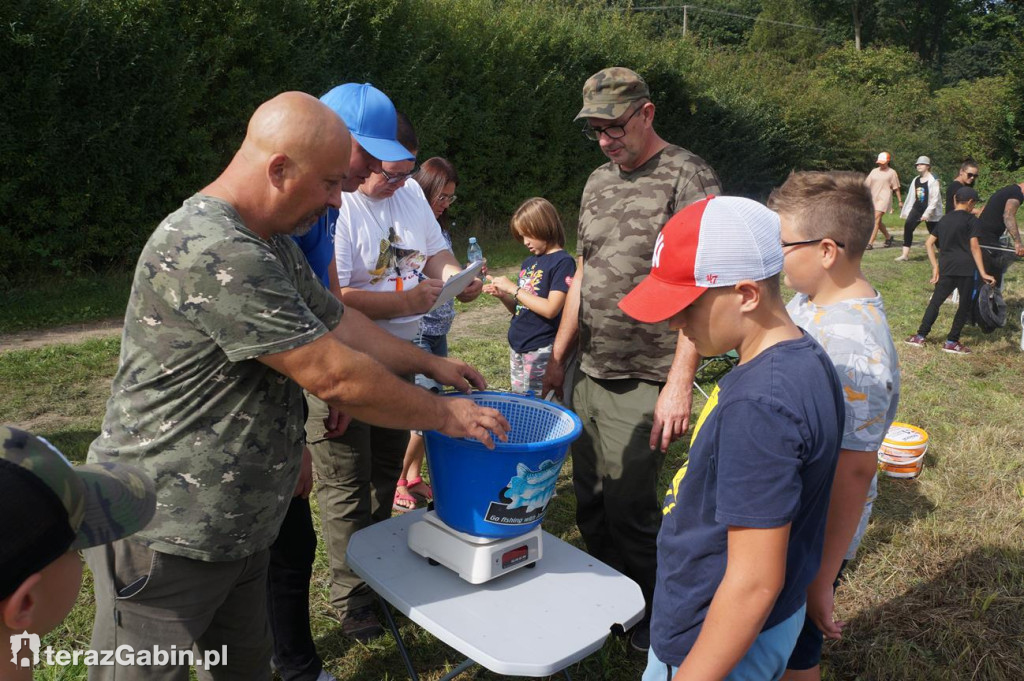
(90, 298)
(937, 591)
(64, 300)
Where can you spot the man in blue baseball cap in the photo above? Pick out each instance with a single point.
(372, 123)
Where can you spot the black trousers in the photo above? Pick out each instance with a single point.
(913, 220)
(291, 568)
(944, 287)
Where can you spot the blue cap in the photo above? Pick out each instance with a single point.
(370, 117)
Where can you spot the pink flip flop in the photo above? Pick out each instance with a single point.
(404, 501)
(418, 487)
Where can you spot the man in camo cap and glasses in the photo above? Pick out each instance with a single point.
(633, 387)
(49, 510)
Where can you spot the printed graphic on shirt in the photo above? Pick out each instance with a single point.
(529, 281)
(855, 334)
(673, 492)
(396, 263)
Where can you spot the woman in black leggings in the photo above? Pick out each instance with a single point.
(924, 202)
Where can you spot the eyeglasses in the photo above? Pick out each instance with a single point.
(840, 244)
(395, 178)
(970, 175)
(611, 131)
(442, 198)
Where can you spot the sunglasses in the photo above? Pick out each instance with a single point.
(970, 175)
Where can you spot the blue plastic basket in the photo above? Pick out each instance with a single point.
(501, 492)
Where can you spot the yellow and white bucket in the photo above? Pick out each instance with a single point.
(903, 450)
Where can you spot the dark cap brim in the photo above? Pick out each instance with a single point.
(120, 501)
(654, 301)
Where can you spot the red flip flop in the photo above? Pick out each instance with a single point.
(419, 488)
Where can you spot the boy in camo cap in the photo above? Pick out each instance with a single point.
(49, 510)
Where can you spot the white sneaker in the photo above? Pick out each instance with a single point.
(325, 676)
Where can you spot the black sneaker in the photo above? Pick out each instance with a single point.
(361, 624)
(640, 637)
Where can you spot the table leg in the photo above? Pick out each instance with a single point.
(466, 664)
(393, 626)
(398, 638)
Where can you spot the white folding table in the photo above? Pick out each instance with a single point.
(531, 622)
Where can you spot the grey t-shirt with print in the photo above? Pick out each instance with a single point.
(219, 432)
(621, 215)
(855, 333)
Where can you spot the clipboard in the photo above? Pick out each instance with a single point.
(457, 283)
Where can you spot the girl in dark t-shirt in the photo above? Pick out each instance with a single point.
(537, 299)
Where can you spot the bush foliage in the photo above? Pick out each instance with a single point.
(114, 111)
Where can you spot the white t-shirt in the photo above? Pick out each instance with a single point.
(383, 244)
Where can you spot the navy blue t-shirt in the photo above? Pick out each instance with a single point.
(540, 274)
(763, 455)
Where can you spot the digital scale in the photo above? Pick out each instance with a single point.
(475, 559)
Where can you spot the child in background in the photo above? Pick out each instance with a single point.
(744, 519)
(953, 270)
(49, 510)
(438, 180)
(537, 299)
(826, 221)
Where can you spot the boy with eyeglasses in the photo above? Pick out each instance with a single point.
(825, 222)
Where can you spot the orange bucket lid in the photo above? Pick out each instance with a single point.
(905, 435)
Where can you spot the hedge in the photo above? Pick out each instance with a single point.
(114, 111)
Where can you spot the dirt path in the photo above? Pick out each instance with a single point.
(61, 335)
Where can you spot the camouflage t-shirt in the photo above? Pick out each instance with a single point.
(621, 215)
(220, 433)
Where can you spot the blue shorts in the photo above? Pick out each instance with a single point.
(766, 658)
(807, 652)
(435, 345)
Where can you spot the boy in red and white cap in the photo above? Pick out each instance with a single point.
(744, 519)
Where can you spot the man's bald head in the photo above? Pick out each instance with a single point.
(297, 125)
(290, 167)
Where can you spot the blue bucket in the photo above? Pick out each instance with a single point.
(502, 492)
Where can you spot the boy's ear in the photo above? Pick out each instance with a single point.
(750, 294)
(829, 253)
(16, 610)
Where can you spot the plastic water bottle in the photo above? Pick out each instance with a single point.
(1022, 331)
(475, 252)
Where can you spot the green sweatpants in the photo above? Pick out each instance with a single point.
(615, 475)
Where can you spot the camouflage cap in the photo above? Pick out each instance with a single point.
(48, 506)
(608, 93)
